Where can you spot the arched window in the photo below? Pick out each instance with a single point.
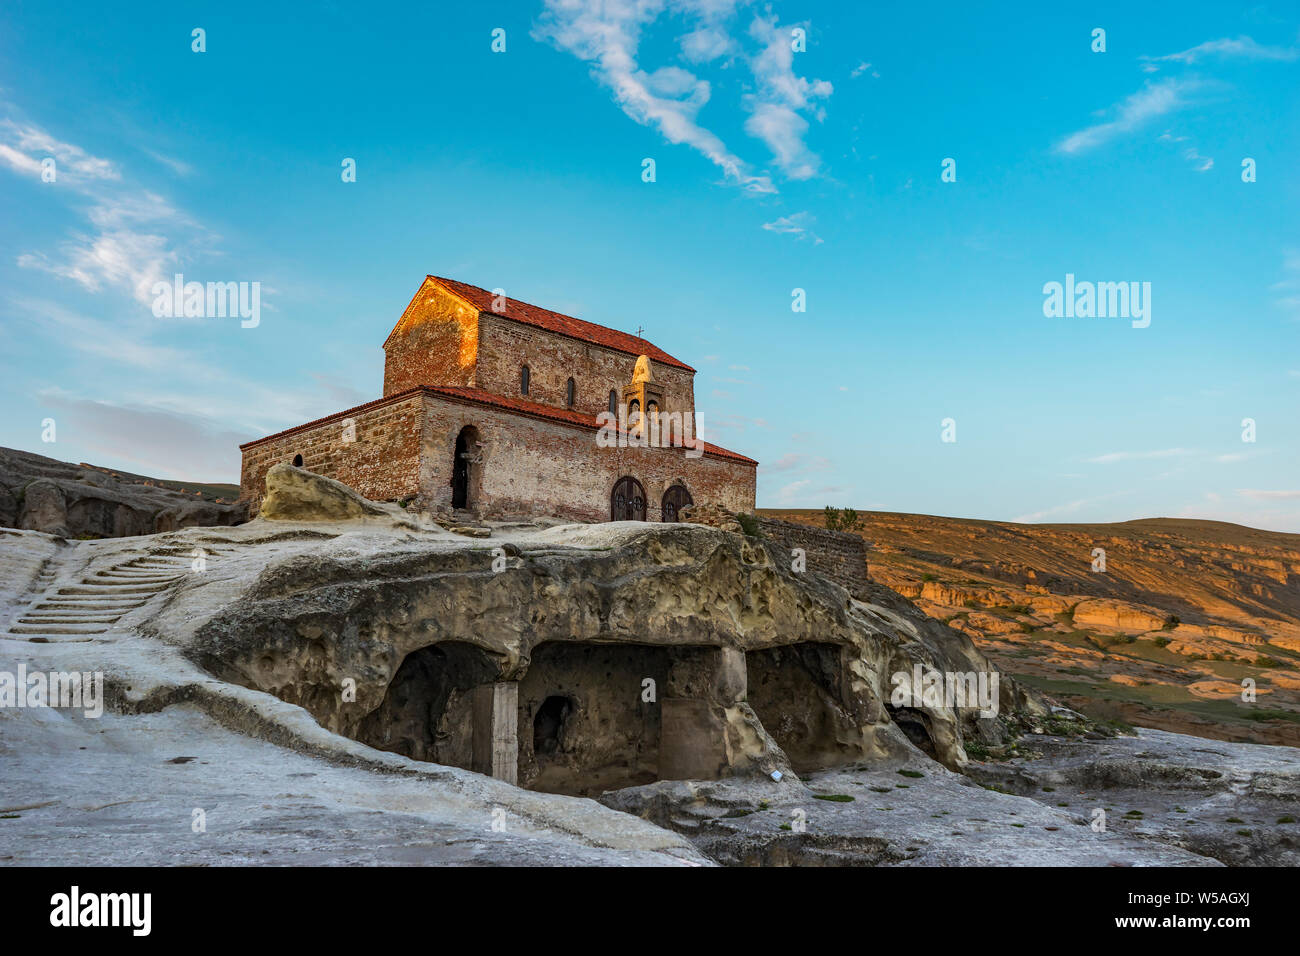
(524, 376)
(571, 393)
(613, 402)
(297, 461)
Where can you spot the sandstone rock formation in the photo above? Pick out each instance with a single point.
(82, 501)
(295, 494)
(396, 632)
(420, 626)
(1181, 605)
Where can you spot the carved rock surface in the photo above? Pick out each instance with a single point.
(619, 604)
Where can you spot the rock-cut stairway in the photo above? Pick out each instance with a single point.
(81, 612)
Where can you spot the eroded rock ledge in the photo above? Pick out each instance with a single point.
(583, 658)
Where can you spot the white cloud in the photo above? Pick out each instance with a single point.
(23, 147)
(1155, 99)
(798, 225)
(794, 461)
(131, 245)
(132, 260)
(1203, 164)
(1115, 456)
(787, 494)
(607, 36)
(775, 116)
(1242, 46)
(705, 44)
(1289, 284)
(1260, 495)
(1069, 507)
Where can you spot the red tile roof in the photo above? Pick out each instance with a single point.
(541, 318)
(478, 396)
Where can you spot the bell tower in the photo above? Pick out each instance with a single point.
(643, 398)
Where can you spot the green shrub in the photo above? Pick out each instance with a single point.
(842, 519)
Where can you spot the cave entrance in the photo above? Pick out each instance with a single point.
(548, 725)
(916, 725)
(591, 715)
(795, 692)
(428, 711)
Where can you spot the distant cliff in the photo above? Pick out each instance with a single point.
(85, 501)
(1162, 634)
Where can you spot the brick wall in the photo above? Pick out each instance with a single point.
(441, 341)
(836, 555)
(382, 464)
(505, 345)
(531, 466)
(528, 466)
(436, 343)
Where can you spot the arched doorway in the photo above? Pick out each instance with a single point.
(675, 499)
(297, 461)
(464, 469)
(627, 502)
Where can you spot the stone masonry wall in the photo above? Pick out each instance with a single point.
(382, 463)
(836, 555)
(504, 346)
(531, 466)
(437, 346)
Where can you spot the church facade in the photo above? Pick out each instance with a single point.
(501, 409)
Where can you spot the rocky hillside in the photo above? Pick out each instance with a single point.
(1183, 612)
(86, 501)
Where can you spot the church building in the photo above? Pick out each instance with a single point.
(499, 409)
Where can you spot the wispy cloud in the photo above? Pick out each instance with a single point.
(129, 241)
(607, 35)
(1112, 457)
(798, 225)
(1289, 285)
(23, 146)
(777, 108)
(1261, 495)
(1155, 99)
(1068, 508)
(1242, 46)
(797, 462)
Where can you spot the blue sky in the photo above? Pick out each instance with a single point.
(775, 170)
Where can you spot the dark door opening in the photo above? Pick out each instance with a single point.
(462, 467)
(548, 725)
